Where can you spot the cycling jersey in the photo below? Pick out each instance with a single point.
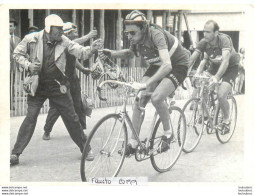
(224, 42)
(157, 39)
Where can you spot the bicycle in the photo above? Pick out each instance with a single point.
(195, 110)
(108, 140)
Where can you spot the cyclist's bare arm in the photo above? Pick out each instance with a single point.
(193, 59)
(202, 64)
(80, 67)
(82, 40)
(85, 38)
(224, 63)
(164, 69)
(123, 54)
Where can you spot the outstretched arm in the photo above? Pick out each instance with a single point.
(193, 59)
(80, 67)
(123, 54)
(202, 64)
(85, 38)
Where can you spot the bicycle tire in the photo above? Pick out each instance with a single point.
(219, 117)
(195, 128)
(158, 159)
(103, 156)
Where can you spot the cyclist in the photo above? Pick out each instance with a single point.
(239, 83)
(168, 64)
(223, 64)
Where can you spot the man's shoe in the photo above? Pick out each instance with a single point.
(90, 156)
(164, 144)
(223, 127)
(46, 136)
(14, 159)
(129, 150)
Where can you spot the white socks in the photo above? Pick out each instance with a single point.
(133, 143)
(167, 133)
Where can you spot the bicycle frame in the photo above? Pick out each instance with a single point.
(212, 121)
(126, 119)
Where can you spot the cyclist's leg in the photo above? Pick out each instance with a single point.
(138, 115)
(166, 87)
(223, 92)
(241, 80)
(237, 82)
(224, 89)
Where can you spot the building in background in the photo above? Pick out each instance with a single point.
(230, 22)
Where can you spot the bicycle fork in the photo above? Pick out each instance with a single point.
(117, 139)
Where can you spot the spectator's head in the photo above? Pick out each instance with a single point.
(70, 30)
(242, 51)
(54, 27)
(136, 25)
(32, 29)
(211, 30)
(13, 25)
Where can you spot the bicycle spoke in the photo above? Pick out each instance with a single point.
(164, 161)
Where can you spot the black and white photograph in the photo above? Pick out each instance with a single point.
(128, 95)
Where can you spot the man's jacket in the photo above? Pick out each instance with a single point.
(30, 49)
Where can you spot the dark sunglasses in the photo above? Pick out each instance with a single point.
(130, 32)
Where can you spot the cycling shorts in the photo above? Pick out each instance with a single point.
(229, 76)
(177, 75)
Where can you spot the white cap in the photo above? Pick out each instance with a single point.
(68, 27)
(52, 20)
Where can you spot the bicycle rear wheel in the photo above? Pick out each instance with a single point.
(194, 115)
(108, 141)
(233, 118)
(164, 161)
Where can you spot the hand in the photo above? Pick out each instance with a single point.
(138, 86)
(34, 67)
(97, 44)
(92, 34)
(85, 71)
(213, 81)
(104, 54)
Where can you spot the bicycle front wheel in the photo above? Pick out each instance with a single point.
(224, 138)
(164, 161)
(194, 115)
(107, 140)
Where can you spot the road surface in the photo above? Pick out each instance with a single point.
(58, 160)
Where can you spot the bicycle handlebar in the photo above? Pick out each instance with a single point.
(200, 79)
